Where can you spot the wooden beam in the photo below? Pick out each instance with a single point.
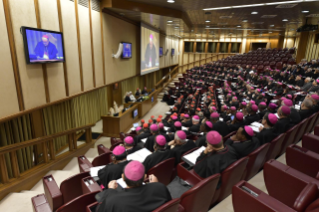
(14, 164)
(92, 44)
(79, 42)
(102, 40)
(302, 46)
(3, 169)
(13, 53)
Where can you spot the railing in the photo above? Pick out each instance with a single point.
(49, 155)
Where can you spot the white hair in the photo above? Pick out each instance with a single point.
(195, 120)
(179, 139)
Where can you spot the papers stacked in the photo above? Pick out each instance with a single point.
(144, 140)
(297, 107)
(255, 126)
(184, 128)
(221, 119)
(94, 170)
(168, 113)
(122, 183)
(277, 115)
(139, 155)
(166, 128)
(192, 157)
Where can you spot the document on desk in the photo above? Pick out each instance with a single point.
(94, 170)
(184, 128)
(257, 124)
(166, 128)
(255, 129)
(192, 157)
(144, 140)
(139, 155)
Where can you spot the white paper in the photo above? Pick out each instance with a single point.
(184, 128)
(255, 129)
(133, 128)
(168, 113)
(192, 157)
(257, 124)
(171, 106)
(139, 155)
(221, 119)
(94, 170)
(277, 115)
(166, 128)
(144, 140)
(297, 107)
(135, 125)
(121, 182)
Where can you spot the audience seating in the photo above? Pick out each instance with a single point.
(303, 160)
(102, 149)
(275, 147)
(115, 140)
(79, 204)
(301, 130)
(289, 138)
(199, 196)
(40, 204)
(256, 161)
(311, 142)
(101, 160)
(316, 130)
(163, 171)
(171, 206)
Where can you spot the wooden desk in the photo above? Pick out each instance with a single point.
(112, 126)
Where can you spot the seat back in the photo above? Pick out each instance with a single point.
(256, 161)
(163, 171)
(244, 201)
(226, 137)
(289, 138)
(71, 188)
(115, 140)
(275, 146)
(102, 160)
(311, 122)
(79, 204)
(52, 192)
(198, 198)
(303, 160)
(122, 135)
(230, 176)
(40, 204)
(311, 142)
(171, 206)
(84, 163)
(102, 149)
(301, 130)
(284, 183)
(315, 122)
(116, 144)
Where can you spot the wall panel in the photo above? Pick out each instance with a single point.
(97, 44)
(50, 21)
(71, 46)
(32, 83)
(86, 50)
(8, 98)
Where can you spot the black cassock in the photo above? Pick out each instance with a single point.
(251, 118)
(266, 135)
(111, 172)
(213, 163)
(157, 157)
(149, 144)
(187, 123)
(244, 148)
(305, 114)
(181, 149)
(294, 116)
(144, 198)
(282, 125)
(133, 149)
(221, 127)
(194, 128)
(138, 138)
(201, 141)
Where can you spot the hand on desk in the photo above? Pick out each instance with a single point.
(113, 184)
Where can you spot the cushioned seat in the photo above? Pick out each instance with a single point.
(79, 204)
(163, 171)
(289, 138)
(311, 142)
(171, 206)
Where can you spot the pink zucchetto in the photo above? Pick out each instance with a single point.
(233, 108)
(214, 115)
(288, 102)
(178, 124)
(160, 140)
(118, 150)
(289, 96)
(181, 134)
(279, 83)
(272, 118)
(235, 97)
(129, 140)
(154, 127)
(134, 170)
(186, 116)
(285, 110)
(315, 97)
(213, 108)
(254, 108)
(272, 105)
(252, 102)
(249, 130)
(196, 117)
(213, 138)
(174, 117)
(138, 128)
(239, 116)
(209, 124)
(225, 107)
(263, 103)
(161, 125)
(244, 103)
(283, 98)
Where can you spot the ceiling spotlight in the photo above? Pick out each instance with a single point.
(207, 26)
(176, 27)
(192, 30)
(271, 25)
(171, 1)
(207, 21)
(292, 29)
(245, 20)
(169, 21)
(270, 32)
(305, 11)
(254, 13)
(284, 19)
(238, 26)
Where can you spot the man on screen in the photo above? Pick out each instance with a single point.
(150, 53)
(46, 50)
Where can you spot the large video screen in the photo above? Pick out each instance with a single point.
(127, 50)
(42, 46)
(149, 49)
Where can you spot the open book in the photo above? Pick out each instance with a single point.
(139, 155)
(192, 157)
(94, 170)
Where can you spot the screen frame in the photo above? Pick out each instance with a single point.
(123, 50)
(134, 112)
(26, 47)
(173, 52)
(160, 51)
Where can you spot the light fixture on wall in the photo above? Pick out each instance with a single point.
(171, 1)
(119, 51)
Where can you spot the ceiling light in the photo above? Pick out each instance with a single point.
(245, 20)
(169, 21)
(217, 8)
(292, 29)
(238, 26)
(284, 19)
(270, 32)
(272, 25)
(207, 21)
(283, 2)
(171, 1)
(254, 13)
(176, 27)
(305, 11)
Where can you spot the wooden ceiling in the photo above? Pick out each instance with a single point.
(189, 17)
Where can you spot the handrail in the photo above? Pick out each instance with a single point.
(14, 147)
(165, 77)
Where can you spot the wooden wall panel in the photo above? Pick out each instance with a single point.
(32, 83)
(50, 21)
(97, 44)
(119, 69)
(86, 50)
(71, 46)
(9, 97)
(162, 44)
